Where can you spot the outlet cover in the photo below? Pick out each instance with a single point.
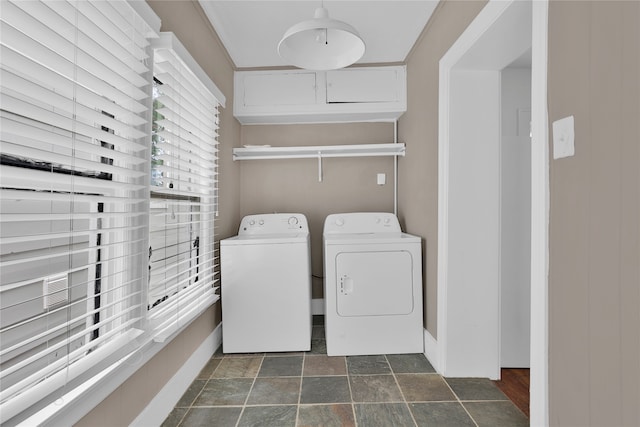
(563, 138)
(55, 290)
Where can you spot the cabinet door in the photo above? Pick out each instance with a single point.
(363, 85)
(279, 89)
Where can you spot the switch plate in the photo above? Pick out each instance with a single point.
(382, 179)
(563, 138)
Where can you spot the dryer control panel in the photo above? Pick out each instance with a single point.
(361, 222)
(280, 223)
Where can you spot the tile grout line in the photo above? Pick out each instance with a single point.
(459, 401)
(250, 389)
(183, 416)
(304, 359)
(353, 403)
(404, 398)
(190, 407)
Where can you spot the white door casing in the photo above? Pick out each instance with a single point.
(500, 33)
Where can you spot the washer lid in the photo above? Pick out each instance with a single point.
(266, 239)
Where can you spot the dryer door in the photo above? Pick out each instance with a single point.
(374, 283)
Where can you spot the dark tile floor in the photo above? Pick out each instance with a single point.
(313, 389)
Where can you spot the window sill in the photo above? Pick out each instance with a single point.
(177, 325)
(78, 402)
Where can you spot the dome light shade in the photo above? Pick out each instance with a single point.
(321, 43)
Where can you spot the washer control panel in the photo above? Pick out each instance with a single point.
(280, 223)
(362, 222)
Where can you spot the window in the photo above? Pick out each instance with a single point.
(103, 254)
(74, 111)
(182, 257)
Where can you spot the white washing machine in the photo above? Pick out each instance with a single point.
(266, 285)
(372, 286)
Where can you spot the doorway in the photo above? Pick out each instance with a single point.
(470, 244)
(515, 213)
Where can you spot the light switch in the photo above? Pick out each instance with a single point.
(563, 138)
(382, 179)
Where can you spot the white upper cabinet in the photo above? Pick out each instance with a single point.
(279, 89)
(365, 85)
(301, 96)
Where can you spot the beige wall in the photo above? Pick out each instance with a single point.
(348, 185)
(594, 278)
(418, 128)
(187, 20)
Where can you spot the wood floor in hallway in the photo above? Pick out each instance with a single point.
(514, 383)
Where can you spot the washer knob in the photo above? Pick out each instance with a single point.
(387, 220)
(261, 222)
(293, 220)
(339, 222)
(252, 222)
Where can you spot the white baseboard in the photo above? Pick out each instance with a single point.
(317, 306)
(431, 350)
(163, 403)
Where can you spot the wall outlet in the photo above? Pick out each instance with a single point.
(563, 138)
(55, 290)
(382, 179)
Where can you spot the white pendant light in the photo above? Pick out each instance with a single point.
(321, 43)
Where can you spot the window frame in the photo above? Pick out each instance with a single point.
(168, 317)
(99, 373)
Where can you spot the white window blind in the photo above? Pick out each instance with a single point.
(182, 256)
(74, 110)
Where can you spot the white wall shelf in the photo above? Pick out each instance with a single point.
(312, 152)
(266, 152)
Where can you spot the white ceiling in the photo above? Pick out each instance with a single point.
(252, 29)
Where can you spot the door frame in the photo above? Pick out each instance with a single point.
(484, 22)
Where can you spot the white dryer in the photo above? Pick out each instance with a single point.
(266, 285)
(372, 286)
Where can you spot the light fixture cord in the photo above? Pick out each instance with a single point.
(326, 33)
